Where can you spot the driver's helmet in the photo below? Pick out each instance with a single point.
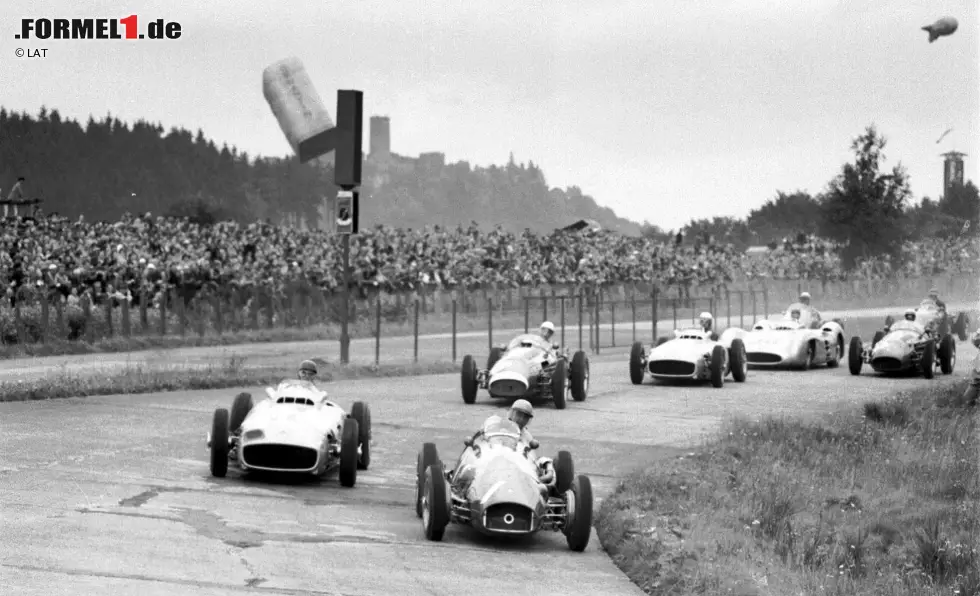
(307, 370)
(910, 314)
(547, 330)
(805, 298)
(933, 293)
(521, 413)
(706, 320)
(795, 314)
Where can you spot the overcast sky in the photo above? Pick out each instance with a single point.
(662, 110)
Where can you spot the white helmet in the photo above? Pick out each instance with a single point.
(547, 329)
(804, 296)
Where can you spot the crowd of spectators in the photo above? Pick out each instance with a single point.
(116, 261)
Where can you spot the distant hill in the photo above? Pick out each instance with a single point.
(108, 167)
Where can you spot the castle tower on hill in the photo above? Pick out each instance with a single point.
(952, 169)
(380, 136)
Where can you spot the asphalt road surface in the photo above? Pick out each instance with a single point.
(112, 495)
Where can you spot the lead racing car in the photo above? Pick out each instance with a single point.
(906, 347)
(795, 339)
(692, 354)
(495, 488)
(529, 367)
(295, 429)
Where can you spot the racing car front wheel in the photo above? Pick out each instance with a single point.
(427, 457)
(348, 453)
(435, 503)
(362, 413)
(564, 472)
(718, 366)
(219, 443)
(855, 359)
(468, 380)
(578, 526)
(929, 360)
(738, 361)
(947, 354)
(636, 363)
(559, 384)
(580, 376)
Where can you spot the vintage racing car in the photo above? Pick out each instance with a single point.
(783, 341)
(295, 429)
(692, 354)
(937, 320)
(906, 347)
(529, 367)
(496, 489)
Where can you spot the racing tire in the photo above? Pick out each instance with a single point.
(578, 529)
(564, 472)
(362, 413)
(834, 361)
(738, 361)
(929, 360)
(854, 356)
(219, 443)
(427, 457)
(636, 363)
(718, 366)
(495, 353)
(580, 376)
(960, 326)
(239, 410)
(947, 355)
(559, 384)
(435, 504)
(877, 337)
(468, 380)
(348, 453)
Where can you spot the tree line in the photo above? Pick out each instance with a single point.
(107, 167)
(866, 208)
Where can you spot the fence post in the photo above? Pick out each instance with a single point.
(163, 312)
(59, 319)
(219, 323)
(454, 324)
(633, 308)
(544, 305)
(87, 309)
(126, 329)
(728, 302)
(765, 301)
(490, 321)
(144, 315)
(45, 315)
(598, 305)
(415, 332)
(562, 299)
(612, 316)
(755, 310)
(581, 316)
(673, 302)
(527, 314)
(19, 321)
(377, 329)
(654, 300)
(741, 309)
(181, 312)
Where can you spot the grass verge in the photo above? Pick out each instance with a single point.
(233, 372)
(883, 501)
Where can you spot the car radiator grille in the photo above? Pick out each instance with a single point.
(508, 517)
(507, 388)
(886, 363)
(672, 367)
(762, 358)
(280, 457)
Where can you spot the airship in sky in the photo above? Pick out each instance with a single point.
(941, 28)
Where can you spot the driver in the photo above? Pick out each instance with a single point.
(307, 371)
(814, 313)
(934, 296)
(795, 315)
(547, 330)
(910, 314)
(520, 414)
(707, 321)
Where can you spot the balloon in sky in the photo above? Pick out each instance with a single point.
(941, 28)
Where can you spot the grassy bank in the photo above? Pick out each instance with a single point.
(218, 374)
(879, 500)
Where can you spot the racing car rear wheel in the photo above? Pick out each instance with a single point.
(495, 353)
(718, 366)
(636, 363)
(362, 413)
(929, 360)
(947, 354)
(559, 384)
(427, 457)
(854, 357)
(578, 525)
(580, 376)
(468, 379)
(435, 503)
(564, 472)
(239, 410)
(738, 361)
(348, 453)
(219, 443)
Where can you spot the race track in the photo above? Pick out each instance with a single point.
(112, 495)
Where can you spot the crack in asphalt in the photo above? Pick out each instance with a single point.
(254, 587)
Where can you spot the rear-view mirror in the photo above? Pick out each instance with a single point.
(534, 444)
(468, 441)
